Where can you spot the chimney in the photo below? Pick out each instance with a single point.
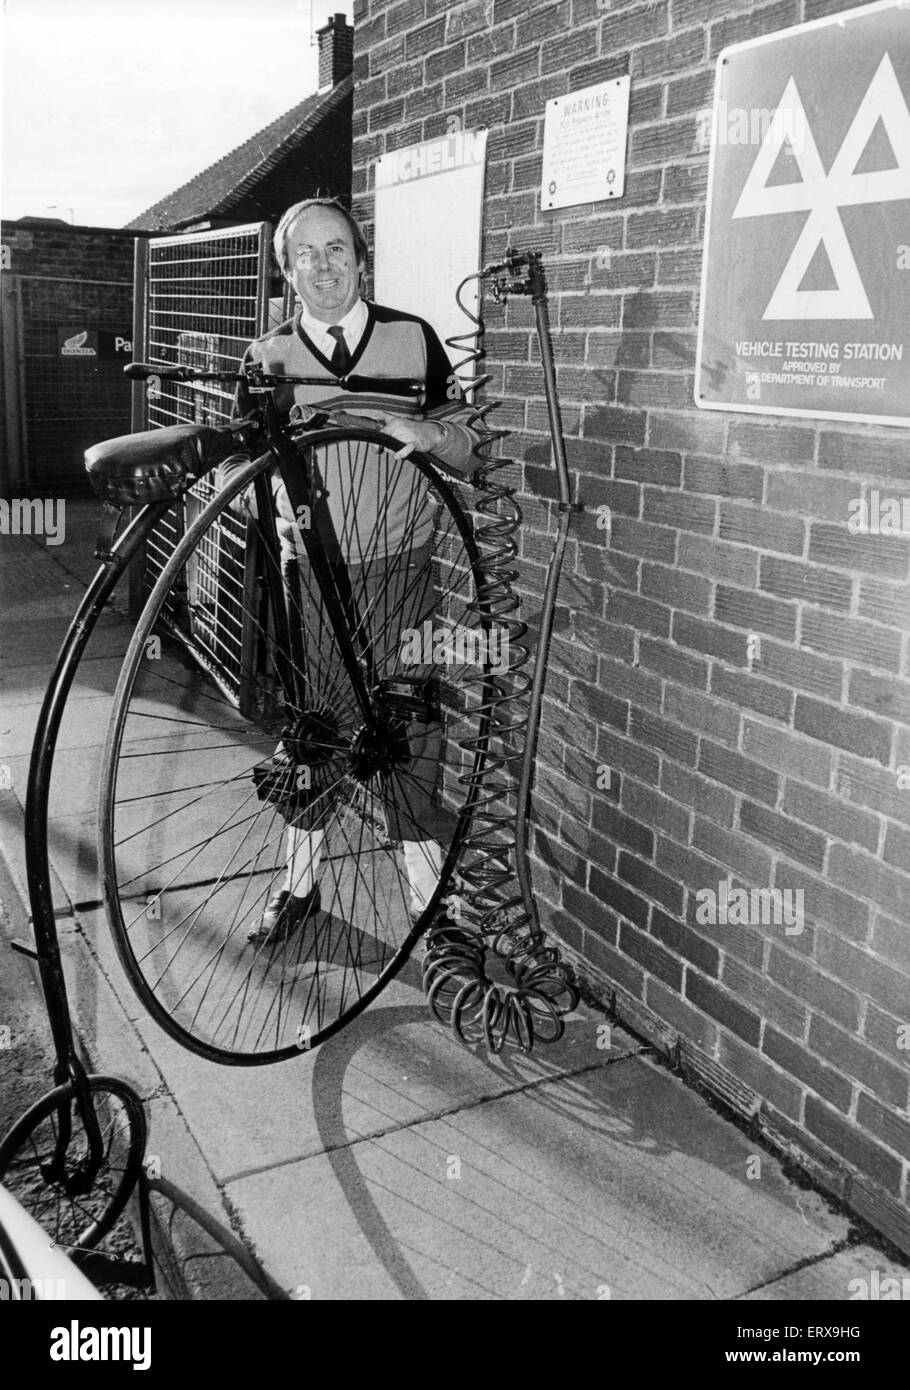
(336, 52)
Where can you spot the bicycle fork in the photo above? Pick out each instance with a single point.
(294, 470)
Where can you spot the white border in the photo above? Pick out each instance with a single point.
(848, 417)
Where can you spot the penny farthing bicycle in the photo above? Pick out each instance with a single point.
(380, 676)
(193, 810)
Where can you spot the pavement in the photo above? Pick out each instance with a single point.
(391, 1162)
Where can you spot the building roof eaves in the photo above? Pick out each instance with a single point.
(213, 191)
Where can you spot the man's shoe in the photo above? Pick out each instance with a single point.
(284, 915)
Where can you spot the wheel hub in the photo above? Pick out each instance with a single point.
(378, 751)
(313, 738)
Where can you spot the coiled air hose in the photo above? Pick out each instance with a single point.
(488, 971)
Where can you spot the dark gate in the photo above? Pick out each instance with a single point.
(63, 385)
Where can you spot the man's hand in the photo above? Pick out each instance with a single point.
(425, 435)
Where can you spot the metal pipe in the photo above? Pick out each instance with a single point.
(535, 700)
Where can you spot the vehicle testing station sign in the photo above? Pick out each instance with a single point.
(805, 299)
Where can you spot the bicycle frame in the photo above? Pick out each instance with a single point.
(47, 952)
(300, 495)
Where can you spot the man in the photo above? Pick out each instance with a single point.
(335, 333)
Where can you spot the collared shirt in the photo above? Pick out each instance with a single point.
(354, 324)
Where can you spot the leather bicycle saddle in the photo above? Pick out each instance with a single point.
(156, 465)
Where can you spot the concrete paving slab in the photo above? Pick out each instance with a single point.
(197, 1255)
(27, 1053)
(81, 726)
(76, 557)
(73, 557)
(102, 1022)
(24, 641)
(25, 683)
(74, 856)
(620, 1183)
(75, 786)
(858, 1274)
(37, 607)
(12, 850)
(74, 783)
(73, 851)
(390, 1067)
(28, 572)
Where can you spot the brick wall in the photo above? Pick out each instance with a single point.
(729, 693)
(62, 277)
(90, 253)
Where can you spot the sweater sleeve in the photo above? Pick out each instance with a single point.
(441, 381)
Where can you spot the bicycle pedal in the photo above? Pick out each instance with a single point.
(411, 698)
(23, 949)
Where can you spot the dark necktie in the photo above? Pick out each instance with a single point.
(341, 358)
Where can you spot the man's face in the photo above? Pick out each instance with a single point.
(323, 263)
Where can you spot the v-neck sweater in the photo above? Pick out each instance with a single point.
(393, 344)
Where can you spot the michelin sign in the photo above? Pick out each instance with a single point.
(805, 301)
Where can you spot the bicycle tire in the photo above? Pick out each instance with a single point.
(81, 1219)
(279, 1000)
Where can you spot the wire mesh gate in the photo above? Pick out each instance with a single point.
(201, 298)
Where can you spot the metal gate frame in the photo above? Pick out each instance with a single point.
(14, 474)
(202, 309)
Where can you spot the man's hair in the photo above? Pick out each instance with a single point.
(281, 231)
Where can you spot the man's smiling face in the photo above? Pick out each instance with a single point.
(323, 263)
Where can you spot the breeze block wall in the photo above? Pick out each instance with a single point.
(728, 700)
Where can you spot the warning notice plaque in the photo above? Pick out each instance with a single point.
(584, 145)
(805, 302)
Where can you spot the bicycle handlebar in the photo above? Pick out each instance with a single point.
(141, 371)
(257, 378)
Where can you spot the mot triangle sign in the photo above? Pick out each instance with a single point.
(810, 172)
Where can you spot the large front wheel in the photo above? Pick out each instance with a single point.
(277, 727)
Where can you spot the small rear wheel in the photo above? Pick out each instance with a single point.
(74, 1158)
